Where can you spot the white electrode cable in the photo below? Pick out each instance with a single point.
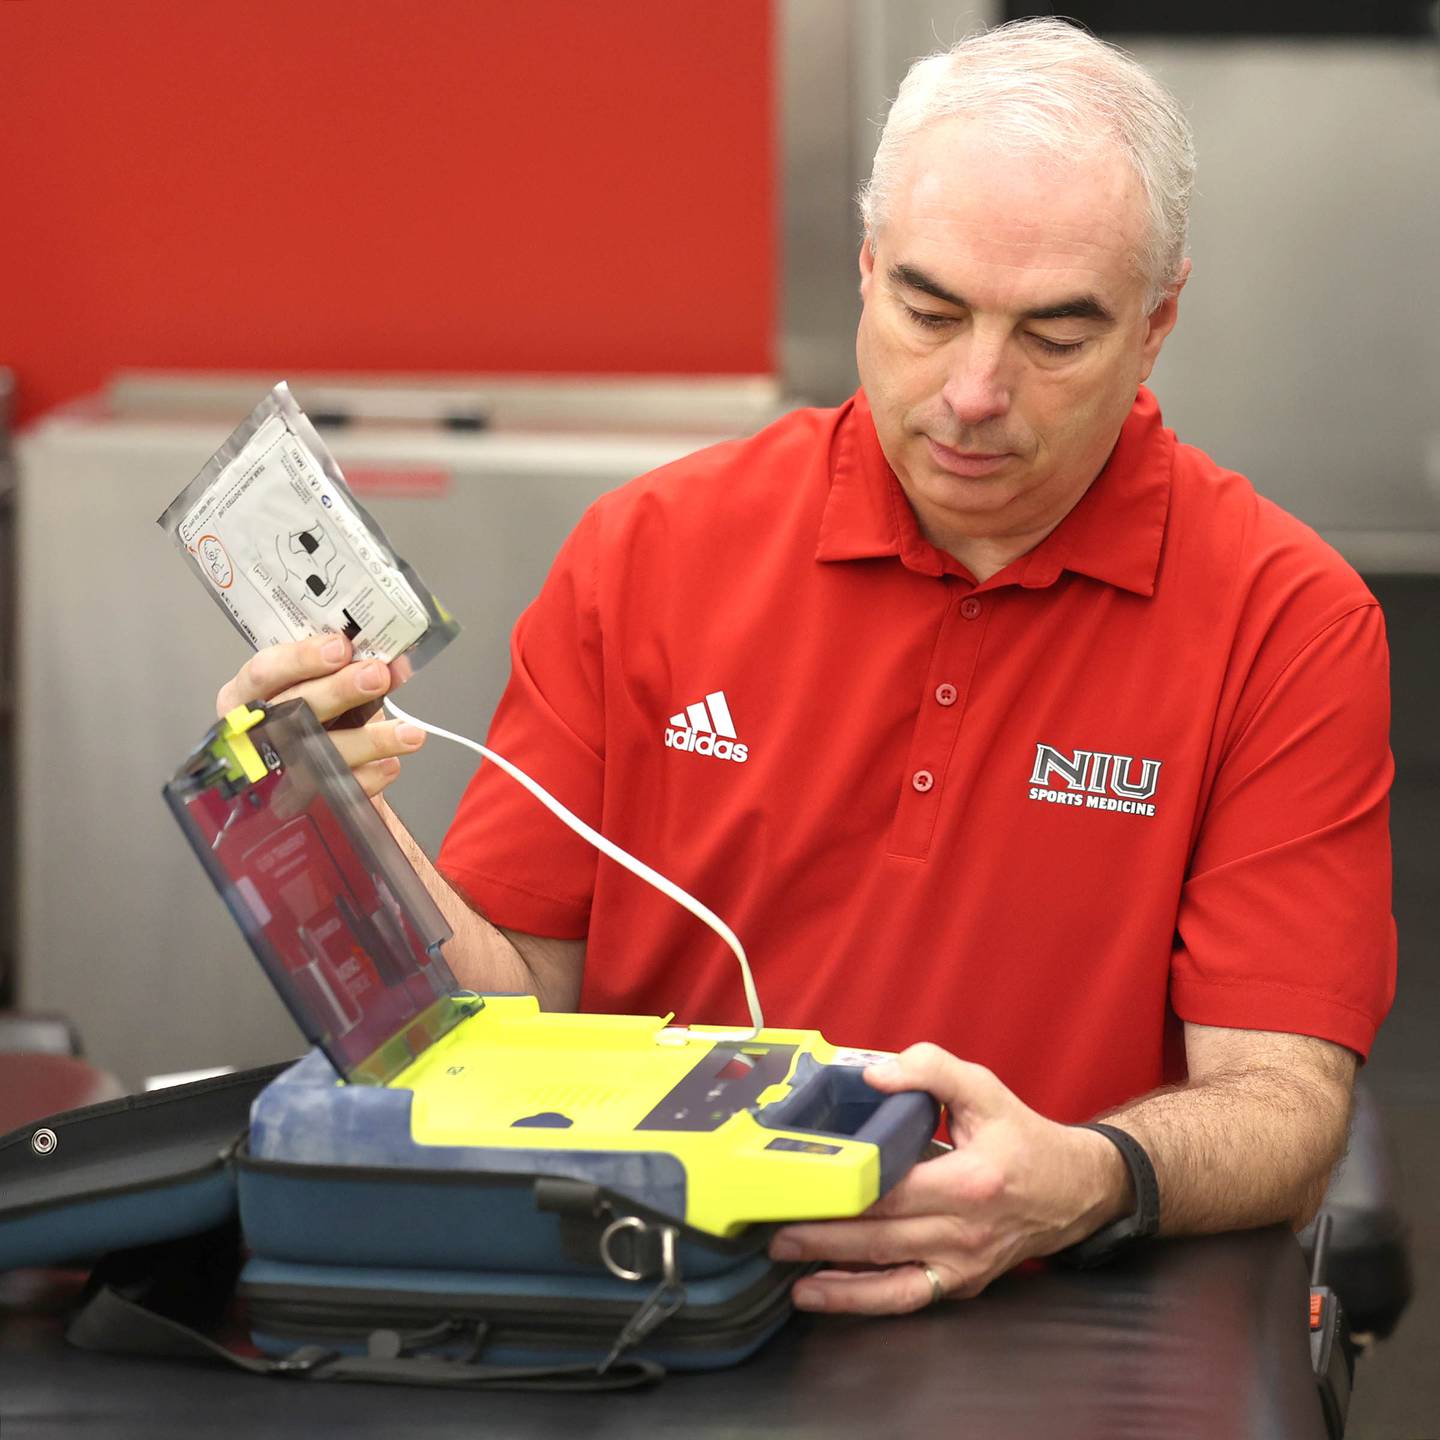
(620, 857)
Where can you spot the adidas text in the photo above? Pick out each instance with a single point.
(702, 742)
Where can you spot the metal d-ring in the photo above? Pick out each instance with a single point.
(669, 1262)
(625, 1222)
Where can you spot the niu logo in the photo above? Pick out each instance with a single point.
(1095, 780)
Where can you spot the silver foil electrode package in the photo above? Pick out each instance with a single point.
(287, 551)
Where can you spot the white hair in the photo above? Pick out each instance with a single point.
(1041, 85)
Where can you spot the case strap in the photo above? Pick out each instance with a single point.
(113, 1324)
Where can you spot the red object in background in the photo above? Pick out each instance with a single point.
(35, 1086)
(459, 185)
(411, 481)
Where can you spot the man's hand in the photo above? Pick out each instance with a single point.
(1249, 1139)
(1015, 1185)
(320, 671)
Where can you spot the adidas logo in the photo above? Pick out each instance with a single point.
(706, 728)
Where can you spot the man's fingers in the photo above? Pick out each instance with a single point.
(381, 740)
(279, 667)
(875, 1292)
(877, 1242)
(957, 1084)
(328, 696)
(319, 672)
(377, 775)
(333, 695)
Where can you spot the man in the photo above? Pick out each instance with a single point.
(1046, 739)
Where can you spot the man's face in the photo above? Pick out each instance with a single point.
(1002, 339)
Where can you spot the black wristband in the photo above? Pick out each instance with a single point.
(1140, 1224)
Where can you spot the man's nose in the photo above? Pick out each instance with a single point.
(976, 388)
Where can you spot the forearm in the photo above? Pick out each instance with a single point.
(482, 956)
(1241, 1148)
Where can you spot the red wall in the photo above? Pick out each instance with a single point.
(524, 185)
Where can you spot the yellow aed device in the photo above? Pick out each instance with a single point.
(718, 1128)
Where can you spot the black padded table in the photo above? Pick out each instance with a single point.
(1195, 1338)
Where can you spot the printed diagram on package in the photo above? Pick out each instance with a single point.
(310, 557)
(310, 565)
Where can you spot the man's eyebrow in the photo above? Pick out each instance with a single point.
(914, 279)
(1081, 307)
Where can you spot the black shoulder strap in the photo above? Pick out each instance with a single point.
(113, 1324)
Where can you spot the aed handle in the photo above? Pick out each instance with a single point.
(900, 1129)
(834, 1100)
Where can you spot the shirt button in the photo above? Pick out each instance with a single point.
(922, 780)
(970, 607)
(946, 694)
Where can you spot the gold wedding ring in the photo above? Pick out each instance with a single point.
(937, 1286)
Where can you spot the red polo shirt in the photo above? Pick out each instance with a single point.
(1139, 774)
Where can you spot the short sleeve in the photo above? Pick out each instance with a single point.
(510, 857)
(1284, 920)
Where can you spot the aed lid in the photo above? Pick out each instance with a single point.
(333, 910)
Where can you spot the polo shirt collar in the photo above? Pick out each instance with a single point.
(1114, 534)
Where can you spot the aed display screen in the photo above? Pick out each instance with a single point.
(731, 1077)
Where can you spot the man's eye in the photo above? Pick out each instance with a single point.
(1057, 347)
(927, 320)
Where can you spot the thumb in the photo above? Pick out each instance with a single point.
(958, 1084)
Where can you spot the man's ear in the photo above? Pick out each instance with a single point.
(1160, 322)
(867, 264)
